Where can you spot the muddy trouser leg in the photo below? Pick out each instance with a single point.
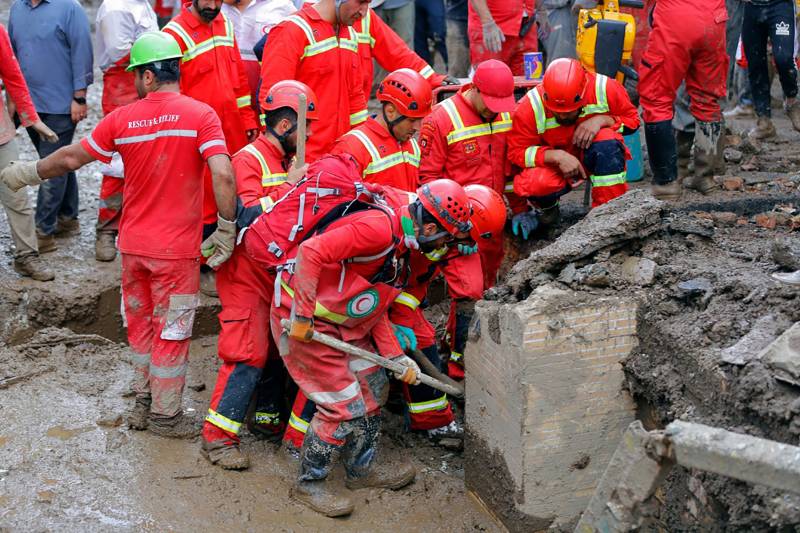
(317, 457)
(138, 306)
(464, 276)
(18, 208)
(303, 411)
(109, 209)
(174, 284)
(270, 390)
(362, 446)
(428, 408)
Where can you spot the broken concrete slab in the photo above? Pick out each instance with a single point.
(749, 347)
(593, 275)
(639, 271)
(786, 253)
(691, 226)
(783, 356)
(634, 215)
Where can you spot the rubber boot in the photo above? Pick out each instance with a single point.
(720, 166)
(764, 129)
(105, 248)
(359, 460)
(312, 489)
(31, 266)
(661, 148)
(180, 426)
(684, 141)
(465, 309)
(224, 453)
(707, 136)
(139, 417)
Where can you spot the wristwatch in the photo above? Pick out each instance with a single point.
(79, 100)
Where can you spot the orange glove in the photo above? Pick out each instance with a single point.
(302, 329)
(411, 373)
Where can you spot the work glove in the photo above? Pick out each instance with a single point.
(406, 337)
(466, 249)
(18, 174)
(493, 37)
(302, 329)
(219, 246)
(524, 224)
(411, 373)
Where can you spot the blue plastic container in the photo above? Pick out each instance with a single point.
(634, 143)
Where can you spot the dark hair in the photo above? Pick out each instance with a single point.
(165, 71)
(272, 118)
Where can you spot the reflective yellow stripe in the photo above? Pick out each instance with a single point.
(243, 101)
(426, 71)
(601, 96)
(409, 300)
(462, 133)
(437, 254)
(303, 25)
(358, 117)
(315, 47)
(268, 179)
(319, 310)
(266, 202)
(378, 163)
(177, 28)
(509, 188)
(609, 179)
(455, 356)
(364, 37)
(222, 422)
(530, 156)
(266, 418)
(437, 404)
(538, 110)
(193, 50)
(298, 423)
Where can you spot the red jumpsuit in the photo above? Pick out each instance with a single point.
(212, 72)
(305, 48)
(348, 307)
(160, 137)
(458, 144)
(380, 157)
(536, 131)
(687, 41)
(376, 40)
(245, 291)
(508, 15)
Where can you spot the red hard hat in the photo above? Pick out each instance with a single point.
(488, 212)
(410, 93)
(284, 94)
(448, 203)
(564, 84)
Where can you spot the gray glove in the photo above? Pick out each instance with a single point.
(493, 37)
(412, 372)
(18, 174)
(219, 246)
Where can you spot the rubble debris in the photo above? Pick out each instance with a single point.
(7, 382)
(639, 270)
(786, 253)
(783, 356)
(634, 215)
(767, 220)
(593, 275)
(691, 226)
(725, 218)
(733, 155)
(764, 331)
(733, 183)
(750, 165)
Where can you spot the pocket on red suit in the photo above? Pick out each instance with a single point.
(236, 337)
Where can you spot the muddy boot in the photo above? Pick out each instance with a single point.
(684, 141)
(793, 110)
(359, 464)
(311, 488)
(105, 248)
(764, 129)
(46, 243)
(139, 417)
(208, 283)
(31, 266)
(740, 111)
(180, 426)
(661, 147)
(453, 430)
(224, 453)
(291, 451)
(66, 227)
(707, 135)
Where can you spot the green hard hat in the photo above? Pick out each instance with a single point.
(153, 46)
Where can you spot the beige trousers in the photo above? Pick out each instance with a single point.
(18, 208)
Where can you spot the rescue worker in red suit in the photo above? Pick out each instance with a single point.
(428, 409)
(160, 227)
(566, 129)
(384, 146)
(349, 392)
(377, 41)
(687, 42)
(118, 23)
(464, 139)
(250, 360)
(502, 29)
(318, 47)
(213, 73)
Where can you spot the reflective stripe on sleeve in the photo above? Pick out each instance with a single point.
(243, 101)
(358, 117)
(409, 300)
(530, 156)
(208, 144)
(426, 71)
(97, 148)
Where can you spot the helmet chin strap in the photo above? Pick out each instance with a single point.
(283, 138)
(416, 211)
(391, 123)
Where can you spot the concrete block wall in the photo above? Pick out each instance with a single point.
(545, 406)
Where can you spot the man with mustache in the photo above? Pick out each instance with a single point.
(384, 145)
(566, 130)
(212, 72)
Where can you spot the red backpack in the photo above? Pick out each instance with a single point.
(330, 190)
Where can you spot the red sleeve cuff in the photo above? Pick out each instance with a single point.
(213, 147)
(540, 153)
(95, 151)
